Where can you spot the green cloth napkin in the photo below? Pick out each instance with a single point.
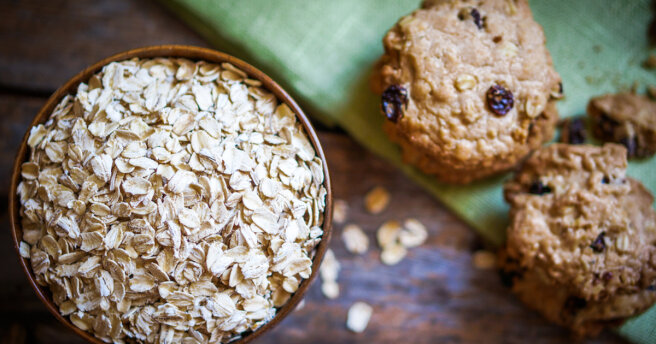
(322, 52)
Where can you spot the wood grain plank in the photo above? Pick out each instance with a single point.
(44, 43)
(434, 295)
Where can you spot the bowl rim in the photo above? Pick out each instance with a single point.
(195, 54)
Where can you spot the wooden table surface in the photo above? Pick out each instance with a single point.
(435, 295)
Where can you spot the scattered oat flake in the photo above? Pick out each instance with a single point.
(388, 233)
(355, 240)
(484, 260)
(413, 233)
(330, 267)
(358, 317)
(24, 249)
(393, 254)
(377, 200)
(340, 211)
(329, 271)
(330, 289)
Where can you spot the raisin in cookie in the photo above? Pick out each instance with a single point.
(468, 87)
(626, 118)
(581, 245)
(572, 131)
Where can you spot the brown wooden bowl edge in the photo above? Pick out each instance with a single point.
(193, 53)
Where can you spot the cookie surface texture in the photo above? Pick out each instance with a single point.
(468, 87)
(581, 245)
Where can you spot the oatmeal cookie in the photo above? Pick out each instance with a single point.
(626, 118)
(468, 87)
(581, 245)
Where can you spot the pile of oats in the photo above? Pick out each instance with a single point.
(171, 201)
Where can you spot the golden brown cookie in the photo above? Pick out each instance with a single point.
(626, 118)
(581, 245)
(467, 87)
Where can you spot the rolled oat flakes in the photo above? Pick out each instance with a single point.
(171, 201)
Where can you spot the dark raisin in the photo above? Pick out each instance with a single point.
(605, 180)
(577, 131)
(499, 100)
(651, 32)
(631, 146)
(573, 131)
(557, 94)
(497, 39)
(574, 304)
(607, 276)
(607, 126)
(598, 245)
(537, 188)
(394, 100)
(508, 277)
(477, 18)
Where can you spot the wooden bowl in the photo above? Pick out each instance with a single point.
(192, 53)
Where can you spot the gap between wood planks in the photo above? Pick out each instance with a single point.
(25, 92)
